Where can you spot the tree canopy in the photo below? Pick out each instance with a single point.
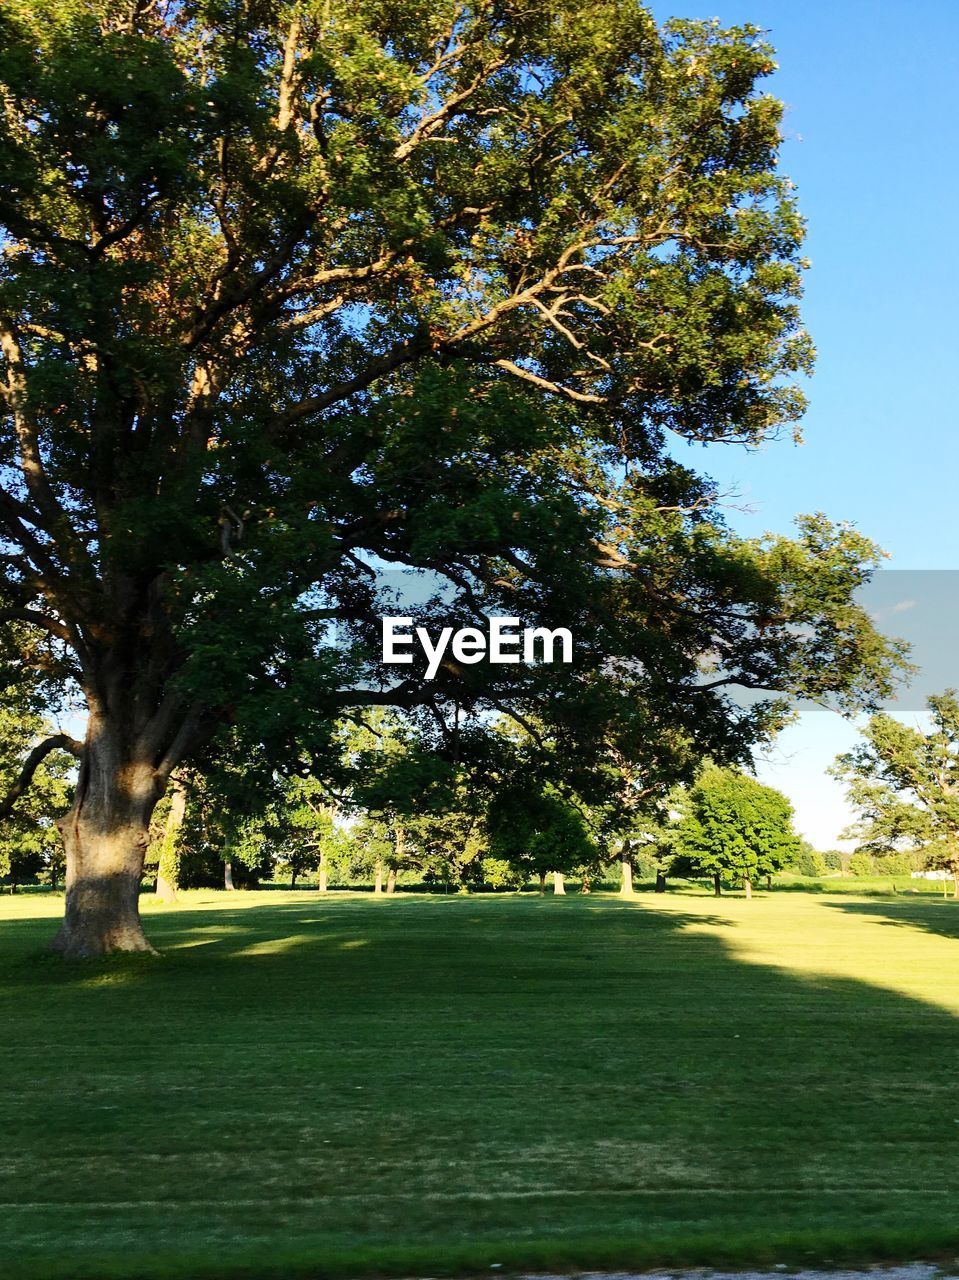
(905, 785)
(735, 827)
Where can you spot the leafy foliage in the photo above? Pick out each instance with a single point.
(861, 865)
(810, 862)
(905, 784)
(895, 864)
(537, 830)
(736, 827)
(264, 326)
(29, 842)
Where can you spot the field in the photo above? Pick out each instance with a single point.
(306, 1086)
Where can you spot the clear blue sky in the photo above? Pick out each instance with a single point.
(872, 94)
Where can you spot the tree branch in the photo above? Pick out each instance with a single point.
(37, 619)
(58, 742)
(15, 393)
(405, 353)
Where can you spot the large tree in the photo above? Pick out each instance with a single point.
(294, 288)
(905, 785)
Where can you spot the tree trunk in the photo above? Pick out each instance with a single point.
(228, 875)
(586, 886)
(378, 879)
(955, 884)
(660, 881)
(542, 882)
(559, 885)
(321, 879)
(168, 866)
(626, 870)
(166, 890)
(105, 836)
(399, 848)
(717, 885)
(748, 886)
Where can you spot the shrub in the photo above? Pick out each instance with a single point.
(861, 864)
(811, 863)
(894, 864)
(500, 874)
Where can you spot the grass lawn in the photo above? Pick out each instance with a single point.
(304, 1086)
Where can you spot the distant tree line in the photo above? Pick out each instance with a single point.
(401, 816)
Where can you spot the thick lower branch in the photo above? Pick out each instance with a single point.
(58, 741)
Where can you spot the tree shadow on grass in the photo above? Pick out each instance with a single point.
(927, 913)
(576, 1080)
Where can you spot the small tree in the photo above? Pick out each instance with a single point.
(538, 830)
(810, 862)
(228, 836)
(736, 827)
(372, 844)
(498, 873)
(861, 865)
(166, 830)
(451, 844)
(306, 820)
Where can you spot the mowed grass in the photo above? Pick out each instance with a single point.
(307, 1086)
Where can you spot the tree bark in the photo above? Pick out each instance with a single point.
(542, 882)
(717, 885)
(559, 884)
(748, 886)
(168, 866)
(166, 890)
(399, 853)
(660, 881)
(228, 875)
(321, 878)
(105, 836)
(378, 878)
(626, 870)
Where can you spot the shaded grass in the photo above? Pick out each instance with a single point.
(307, 1086)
